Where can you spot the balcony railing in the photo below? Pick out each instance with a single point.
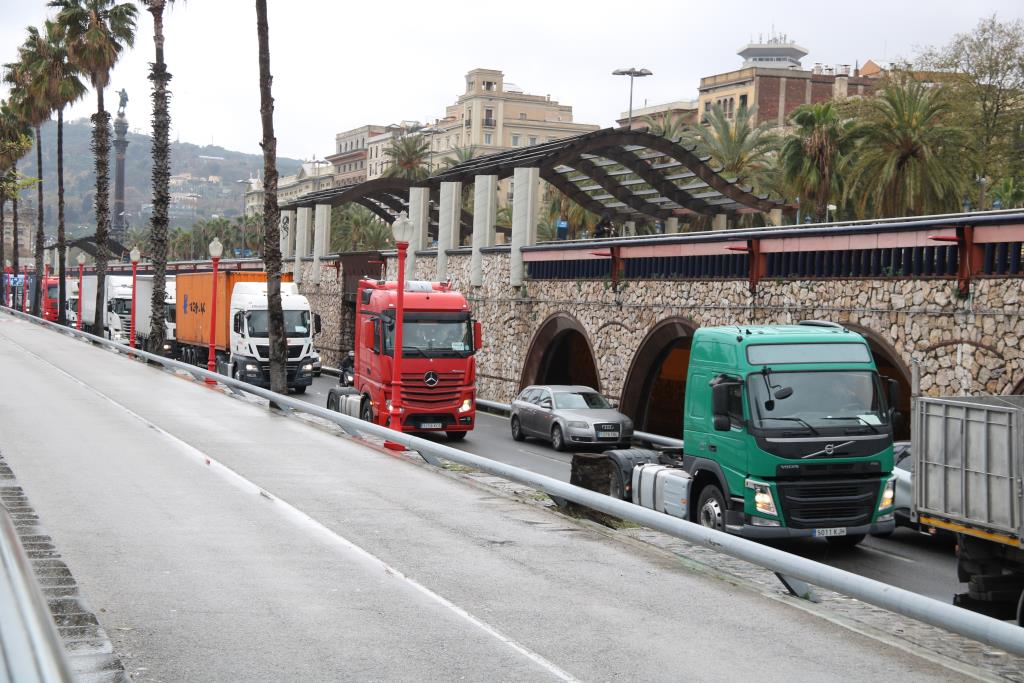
(489, 123)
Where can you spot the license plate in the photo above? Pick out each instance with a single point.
(836, 531)
(436, 425)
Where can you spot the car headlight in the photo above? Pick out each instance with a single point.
(888, 494)
(307, 367)
(577, 425)
(763, 499)
(467, 405)
(251, 367)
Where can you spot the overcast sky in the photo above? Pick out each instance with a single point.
(338, 65)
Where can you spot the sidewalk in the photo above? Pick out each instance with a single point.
(312, 557)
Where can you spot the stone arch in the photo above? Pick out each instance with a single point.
(1019, 388)
(890, 366)
(560, 353)
(655, 385)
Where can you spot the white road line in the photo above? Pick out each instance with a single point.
(300, 518)
(887, 553)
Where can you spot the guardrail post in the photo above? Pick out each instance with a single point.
(970, 258)
(758, 264)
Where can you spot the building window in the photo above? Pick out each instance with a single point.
(743, 101)
(515, 140)
(522, 116)
(487, 138)
(533, 140)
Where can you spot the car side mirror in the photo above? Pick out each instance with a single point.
(317, 325)
(367, 334)
(478, 335)
(546, 404)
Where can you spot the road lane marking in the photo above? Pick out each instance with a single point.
(302, 519)
(888, 553)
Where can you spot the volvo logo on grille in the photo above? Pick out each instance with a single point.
(829, 449)
(430, 378)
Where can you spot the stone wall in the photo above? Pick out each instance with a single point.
(964, 345)
(326, 298)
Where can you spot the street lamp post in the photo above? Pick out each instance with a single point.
(81, 269)
(7, 283)
(216, 249)
(402, 230)
(134, 256)
(632, 72)
(24, 289)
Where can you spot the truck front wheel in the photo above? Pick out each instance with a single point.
(300, 390)
(711, 508)
(366, 413)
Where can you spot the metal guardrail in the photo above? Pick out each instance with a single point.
(30, 649)
(789, 567)
(646, 437)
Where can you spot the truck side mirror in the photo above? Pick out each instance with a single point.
(720, 388)
(367, 334)
(317, 326)
(894, 395)
(478, 335)
(722, 422)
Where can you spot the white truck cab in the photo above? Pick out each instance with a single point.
(250, 345)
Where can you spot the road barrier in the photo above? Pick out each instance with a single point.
(30, 649)
(791, 569)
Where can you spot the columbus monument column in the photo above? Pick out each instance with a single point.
(119, 230)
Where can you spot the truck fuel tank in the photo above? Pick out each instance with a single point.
(662, 488)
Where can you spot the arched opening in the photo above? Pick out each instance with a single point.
(1019, 389)
(656, 383)
(889, 365)
(560, 353)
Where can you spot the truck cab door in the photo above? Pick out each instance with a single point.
(728, 447)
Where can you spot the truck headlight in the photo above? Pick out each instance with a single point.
(251, 367)
(167, 347)
(467, 405)
(308, 367)
(577, 425)
(763, 500)
(888, 494)
(387, 404)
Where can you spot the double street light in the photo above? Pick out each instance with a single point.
(134, 255)
(81, 269)
(632, 72)
(402, 229)
(216, 250)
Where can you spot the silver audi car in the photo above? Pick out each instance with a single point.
(569, 416)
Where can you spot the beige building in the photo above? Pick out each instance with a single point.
(312, 176)
(493, 116)
(682, 111)
(377, 160)
(350, 155)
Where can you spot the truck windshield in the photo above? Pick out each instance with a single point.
(51, 292)
(296, 323)
(432, 338)
(121, 306)
(819, 399)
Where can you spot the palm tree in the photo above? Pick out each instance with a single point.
(14, 144)
(667, 126)
(408, 157)
(909, 160)
(97, 31)
(30, 101)
(741, 149)
(459, 155)
(271, 212)
(811, 159)
(161, 173)
(47, 57)
(1009, 192)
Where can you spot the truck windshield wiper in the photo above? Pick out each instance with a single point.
(407, 349)
(811, 429)
(852, 417)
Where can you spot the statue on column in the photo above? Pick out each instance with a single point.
(123, 94)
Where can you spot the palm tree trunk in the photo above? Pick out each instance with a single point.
(101, 152)
(161, 179)
(62, 318)
(38, 293)
(271, 213)
(14, 218)
(3, 249)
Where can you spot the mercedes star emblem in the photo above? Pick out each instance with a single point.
(430, 379)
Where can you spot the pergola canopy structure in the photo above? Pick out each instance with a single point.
(617, 172)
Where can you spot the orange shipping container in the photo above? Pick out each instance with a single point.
(194, 292)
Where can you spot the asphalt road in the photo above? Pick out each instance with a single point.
(216, 541)
(907, 559)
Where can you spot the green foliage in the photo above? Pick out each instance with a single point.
(356, 228)
(811, 160)
(408, 156)
(742, 150)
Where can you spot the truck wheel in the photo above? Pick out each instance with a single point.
(557, 439)
(517, 429)
(711, 508)
(332, 404)
(300, 390)
(616, 489)
(366, 412)
(845, 542)
(456, 436)
(1020, 611)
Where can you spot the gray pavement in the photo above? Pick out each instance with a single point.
(220, 542)
(907, 559)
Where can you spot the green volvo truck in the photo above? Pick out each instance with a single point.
(787, 432)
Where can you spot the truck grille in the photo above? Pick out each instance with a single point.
(415, 392)
(294, 351)
(812, 504)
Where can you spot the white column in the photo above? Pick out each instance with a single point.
(301, 240)
(287, 234)
(525, 188)
(485, 214)
(720, 221)
(449, 214)
(321, 237)
(775, 216)
(672, 225)
(419, 214)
